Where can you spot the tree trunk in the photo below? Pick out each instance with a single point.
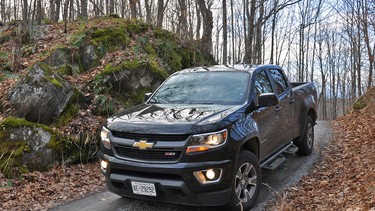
(148, 11)
(199, 22)
(207, 26)
(225, 37)
(71, 10)
(39, 12)
(232, 26)
(84, 8)
(16, 51)
(25, 14)
(57, 13)
(257, 59)
(250, 31)
(160, 14)
(111, 6)
(182, 20)
(65, 15)
(133, 8)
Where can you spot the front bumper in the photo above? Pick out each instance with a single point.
(174, 183)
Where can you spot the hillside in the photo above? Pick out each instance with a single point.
(344, 178)
(53, 107)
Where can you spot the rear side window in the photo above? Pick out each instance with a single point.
(280, 82)
(262, 83)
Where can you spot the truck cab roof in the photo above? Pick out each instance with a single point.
(236, 67)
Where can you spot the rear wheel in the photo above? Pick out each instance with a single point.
(247, 181)
(305, 143)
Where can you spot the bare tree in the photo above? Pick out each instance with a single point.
(84, 8)
(225, 34)
(133, 8)
(206, 13)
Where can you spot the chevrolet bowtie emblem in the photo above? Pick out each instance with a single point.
(143, 144)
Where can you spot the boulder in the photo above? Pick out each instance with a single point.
(31, 146)
(132, 80)
(65, 61)
(90, 57)
(40, 96)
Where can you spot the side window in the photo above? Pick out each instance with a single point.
(280, 82)
(262, 83)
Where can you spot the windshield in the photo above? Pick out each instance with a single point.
(226, 88)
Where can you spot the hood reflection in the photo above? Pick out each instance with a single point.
(168, 114)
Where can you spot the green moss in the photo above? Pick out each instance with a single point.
(48, 75)
(110, 38)
(129, 65)
(156, 69)
(67, 115)
(14, 122)
(163, 34)
(65, 70)
(135, 27)
(149, 49)
(78, 39)
(359, 104)
(56, 82)
(186, 55)
(12, 152)
(139, 94)
(175, 61)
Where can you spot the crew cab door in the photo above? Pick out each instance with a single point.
(265, 116)
(284, 115)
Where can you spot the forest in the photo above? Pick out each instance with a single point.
(89, 59)
(326, 41)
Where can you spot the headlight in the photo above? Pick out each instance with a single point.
(203, 142)
(104, 134)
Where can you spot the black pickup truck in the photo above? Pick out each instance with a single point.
(203, 136)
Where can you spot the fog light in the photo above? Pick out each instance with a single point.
(208, 176)
(103, 165)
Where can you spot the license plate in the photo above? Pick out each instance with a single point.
(142, 188)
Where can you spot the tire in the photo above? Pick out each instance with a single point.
(247, 182)
(305, 143)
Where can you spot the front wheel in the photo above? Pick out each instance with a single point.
(247, 182)
(305, 143)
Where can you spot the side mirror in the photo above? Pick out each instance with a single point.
(147, 96)
(267, 99)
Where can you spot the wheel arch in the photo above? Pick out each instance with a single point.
(252, 145)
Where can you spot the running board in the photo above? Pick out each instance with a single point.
(276, 162)
(277, 159)
(291, 150)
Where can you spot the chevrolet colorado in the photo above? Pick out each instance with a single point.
(203, 136)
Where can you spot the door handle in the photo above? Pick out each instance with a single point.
(292, 101)
(278, 108)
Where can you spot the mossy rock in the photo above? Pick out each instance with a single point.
(128, 65)
(67, 61)
(41, 95)
(359, 104)
(31, 146)
(110, 38)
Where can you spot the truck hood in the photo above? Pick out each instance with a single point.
(169, 119)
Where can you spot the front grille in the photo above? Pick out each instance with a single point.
(152, 137)
(163, 155)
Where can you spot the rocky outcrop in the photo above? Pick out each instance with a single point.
(32, 146)
(40, 96)
(132, 79)
(90, 57)
(66, 61)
